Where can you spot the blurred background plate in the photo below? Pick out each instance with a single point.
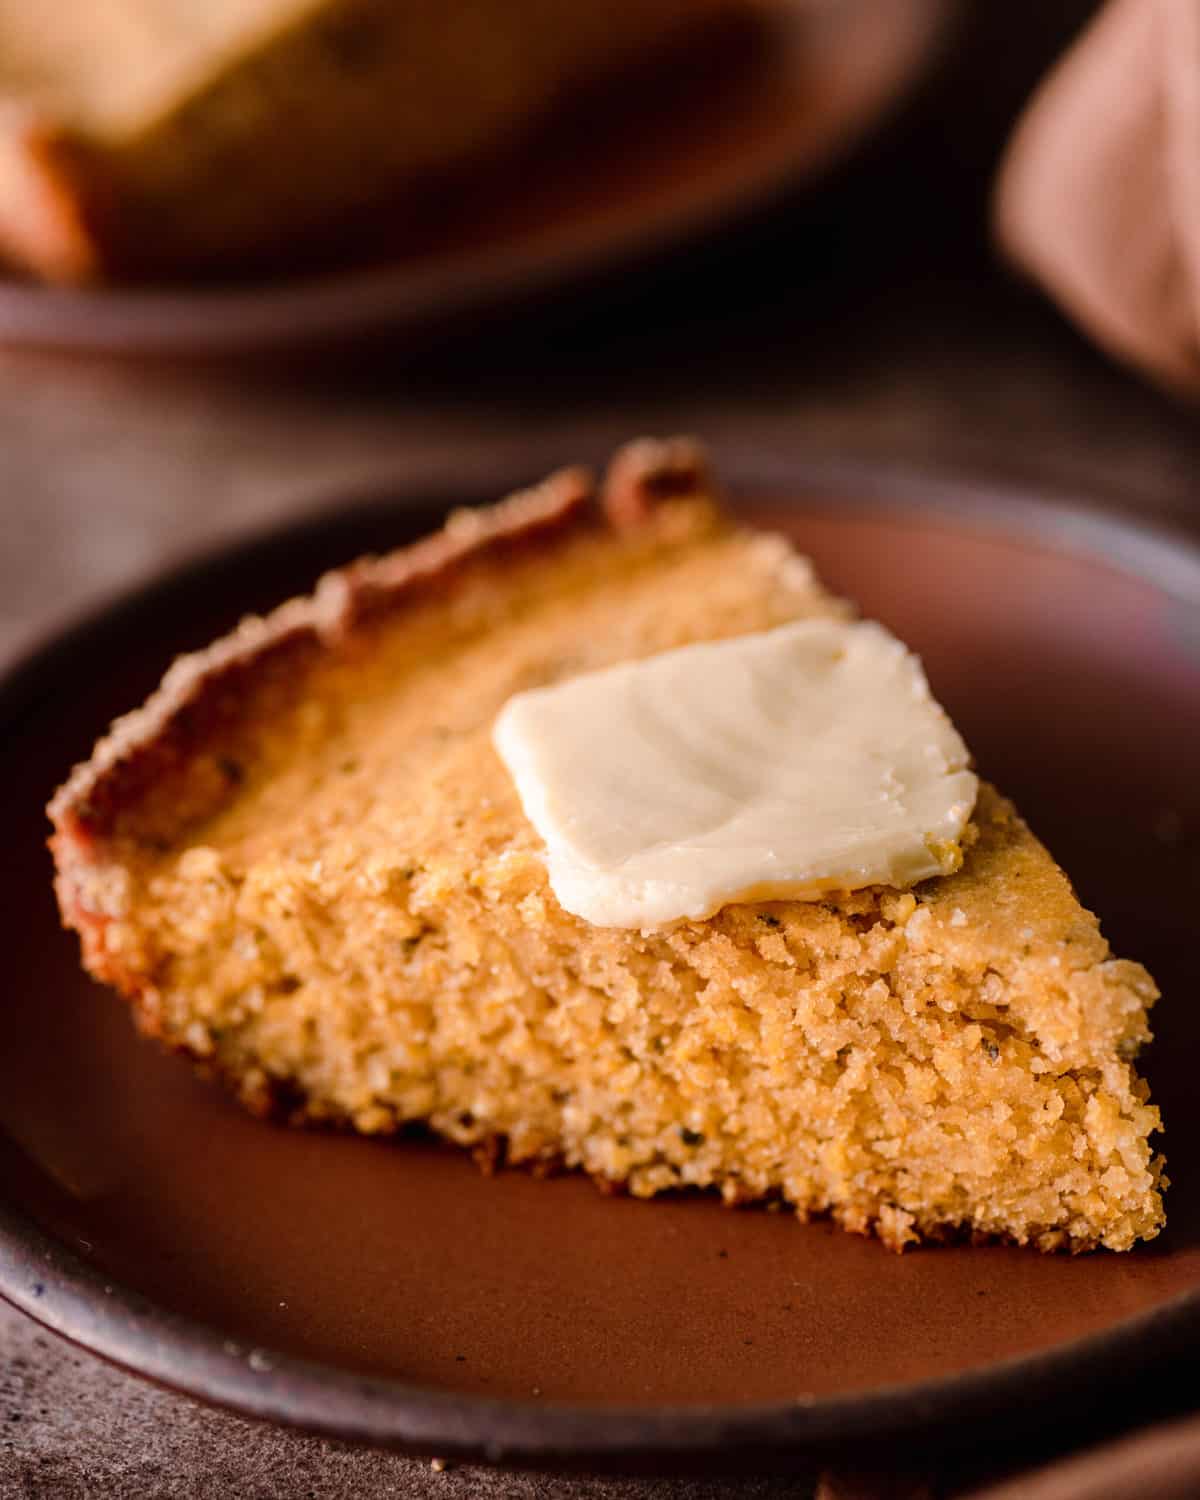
(726, 138)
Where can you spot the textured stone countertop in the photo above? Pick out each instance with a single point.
(807, 340)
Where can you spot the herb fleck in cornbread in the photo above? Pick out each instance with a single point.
(306, 866)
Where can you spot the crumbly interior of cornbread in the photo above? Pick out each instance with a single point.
(358, 912)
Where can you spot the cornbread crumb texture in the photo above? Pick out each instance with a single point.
(355, 916)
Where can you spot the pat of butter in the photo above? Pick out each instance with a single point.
(776, 766)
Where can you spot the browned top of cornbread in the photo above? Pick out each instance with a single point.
(154, 753)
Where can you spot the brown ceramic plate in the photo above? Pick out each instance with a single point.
(711, 146)
(389, 1291)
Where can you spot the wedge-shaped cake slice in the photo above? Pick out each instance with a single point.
(306, 865)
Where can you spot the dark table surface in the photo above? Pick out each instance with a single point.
(869, 319)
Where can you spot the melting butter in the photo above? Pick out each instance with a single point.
(781, 765)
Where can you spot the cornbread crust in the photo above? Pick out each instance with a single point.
(143, 743)
(206, 691)
(50, 209)
(304, 865)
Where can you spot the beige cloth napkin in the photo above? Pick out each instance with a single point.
(1099, 193)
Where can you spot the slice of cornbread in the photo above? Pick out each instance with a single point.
(305, 865)
(148, 137)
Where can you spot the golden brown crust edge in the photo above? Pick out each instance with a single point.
(53, 206)
(206, 690)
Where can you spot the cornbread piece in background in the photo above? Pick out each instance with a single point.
(149, 137)
(305, 865)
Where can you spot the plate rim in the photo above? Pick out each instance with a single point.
(46, 1279)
